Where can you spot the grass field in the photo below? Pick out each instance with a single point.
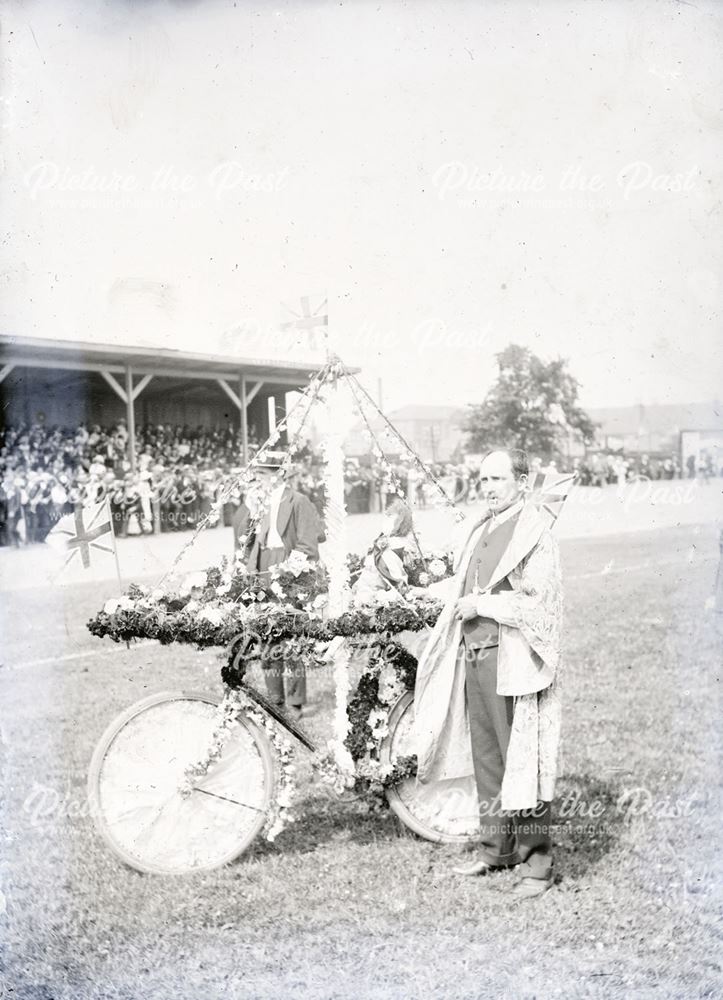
(346, 903)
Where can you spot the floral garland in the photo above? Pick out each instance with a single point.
(296, 584)
(337, 745)
(235, 702)
(392, 671)
(289, 605)
(141, 615)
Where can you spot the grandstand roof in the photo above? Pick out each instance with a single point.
(79, 355)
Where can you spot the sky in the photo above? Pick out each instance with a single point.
(453, 177)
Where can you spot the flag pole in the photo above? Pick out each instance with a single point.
(115, 550)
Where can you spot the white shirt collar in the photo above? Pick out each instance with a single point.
(507, 513)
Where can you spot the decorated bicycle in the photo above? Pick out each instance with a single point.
(184, 781)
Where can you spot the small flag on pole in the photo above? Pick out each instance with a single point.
(549, 492)
(85, 532)
(310, 314)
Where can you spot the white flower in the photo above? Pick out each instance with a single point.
(126, 604)
(284, 798)
(192, 606)
(277, 589)
(212, 615)
(111, 606)
(437, 568)
(157, 595)
(389, 686)
(223, 589)
(423, 579)
(296, 563)
(383, 598)
(274, 830)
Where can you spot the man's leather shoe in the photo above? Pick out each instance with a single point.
(478, 867)
(297, 712)
(530, 888)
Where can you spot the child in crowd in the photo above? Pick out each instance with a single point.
(384, 565)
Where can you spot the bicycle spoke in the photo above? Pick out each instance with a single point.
(225, 798)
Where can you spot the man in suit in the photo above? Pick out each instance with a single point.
(486, 699)
(288, 522)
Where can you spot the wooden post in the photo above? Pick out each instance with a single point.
(130, 418)
(281, 408)
(718, 605)
(244, 422)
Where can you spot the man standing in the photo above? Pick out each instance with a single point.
(486, 700)
(288, 522)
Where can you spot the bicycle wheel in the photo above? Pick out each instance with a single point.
(136, 772)
(441, 811)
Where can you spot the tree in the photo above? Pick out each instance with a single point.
(532, 405)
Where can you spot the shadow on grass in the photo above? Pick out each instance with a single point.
(327, 818)
(587, 824)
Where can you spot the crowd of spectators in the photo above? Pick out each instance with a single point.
(45, 471)
(600, 469)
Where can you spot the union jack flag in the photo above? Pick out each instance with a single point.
(549, 491)
(79, 532)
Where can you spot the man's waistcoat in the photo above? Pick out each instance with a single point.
(483, 632)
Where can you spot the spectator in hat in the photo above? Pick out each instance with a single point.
(285, 522)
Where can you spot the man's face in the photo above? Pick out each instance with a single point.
(264, 477)
(499, 487)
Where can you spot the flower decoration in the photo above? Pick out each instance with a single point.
(438, 569)
(194, 581)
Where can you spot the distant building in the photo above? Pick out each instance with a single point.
(435, 432)
(655, 428)
(667, 428)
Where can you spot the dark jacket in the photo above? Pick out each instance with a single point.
(298, 524)
(240, 524)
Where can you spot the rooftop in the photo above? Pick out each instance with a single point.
(41, 352)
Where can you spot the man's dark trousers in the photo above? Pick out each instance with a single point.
(505, 838)
(277, 666)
